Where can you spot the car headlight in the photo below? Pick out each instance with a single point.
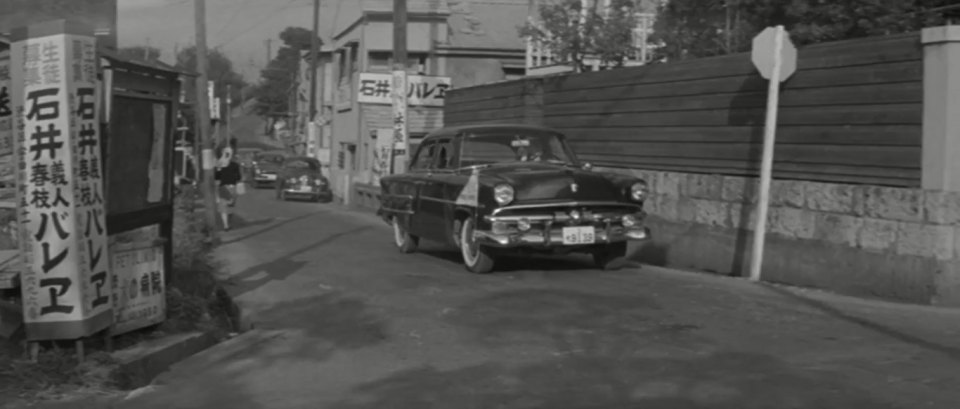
(638, 191)
(629, 220)
(503, 194)
(292, 181)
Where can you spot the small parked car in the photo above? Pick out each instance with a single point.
(301, 177)
(247, 159)
(265, 167)
(491, 190)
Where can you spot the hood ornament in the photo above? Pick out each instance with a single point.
(574, 187)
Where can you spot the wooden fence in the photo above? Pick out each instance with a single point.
(851, 113)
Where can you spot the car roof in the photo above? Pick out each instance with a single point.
(456, 130)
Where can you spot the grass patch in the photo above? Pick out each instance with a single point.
(195, 302)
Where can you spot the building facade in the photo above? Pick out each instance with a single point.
(450, 44)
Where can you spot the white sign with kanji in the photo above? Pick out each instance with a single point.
(421, 90)
(63, 237)
(139, 299)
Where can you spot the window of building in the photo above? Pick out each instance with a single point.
(513, 73)
(382, 61)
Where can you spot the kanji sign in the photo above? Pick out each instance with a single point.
(63, 237)
(421, 90)
(139, 296)
(6, 124)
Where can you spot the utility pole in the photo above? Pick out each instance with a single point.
(207, 160)
(399, 97)
(314, 60)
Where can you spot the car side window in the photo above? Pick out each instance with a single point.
(444, 155)
(425, 156)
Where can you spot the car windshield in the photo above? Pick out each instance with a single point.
(275, 159)
(514, 146)
(301, 164)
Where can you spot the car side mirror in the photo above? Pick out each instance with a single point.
(587, 166)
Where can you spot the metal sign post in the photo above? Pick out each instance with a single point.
(775, 57)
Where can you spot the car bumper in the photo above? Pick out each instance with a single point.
(555, 237)
(310, 193)
(262, 179)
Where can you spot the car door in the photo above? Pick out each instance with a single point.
(418, 176)
(435, 206)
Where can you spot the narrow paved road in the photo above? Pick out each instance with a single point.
(345, 321)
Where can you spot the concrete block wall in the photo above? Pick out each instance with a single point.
(894, 243)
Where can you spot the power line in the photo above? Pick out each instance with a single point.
(248, 29)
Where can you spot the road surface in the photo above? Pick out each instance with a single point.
(344, 321)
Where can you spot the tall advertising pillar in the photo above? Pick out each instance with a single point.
(63, 236)
(399, 95)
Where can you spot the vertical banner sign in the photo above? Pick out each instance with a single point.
(6, 123)
(382, 154)
(63, 241)
(399, 118)
(212, 98)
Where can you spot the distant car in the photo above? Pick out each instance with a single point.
(491, 190)
(265, 168)
(247, 158)
(301, 177)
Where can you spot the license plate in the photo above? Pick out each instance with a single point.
(269, 177)
(305, 189)
(578, 235)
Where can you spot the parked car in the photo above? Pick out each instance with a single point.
(247, 158)
(490, 190)
(265, 167)
(301, 177)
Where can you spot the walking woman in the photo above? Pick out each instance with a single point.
(228, 178)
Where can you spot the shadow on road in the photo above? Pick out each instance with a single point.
(514, 263)
(269, 228)
(719, 380)
(280, 268)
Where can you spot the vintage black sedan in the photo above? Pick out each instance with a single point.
(301, 177)
(491, 190)
(266, 165)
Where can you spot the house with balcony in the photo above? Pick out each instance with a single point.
(450, 44)
(541, 60)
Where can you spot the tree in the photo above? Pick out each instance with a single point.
(140, 53)
(220, 71)
(279, 79)
(573, 34)
(694, 28)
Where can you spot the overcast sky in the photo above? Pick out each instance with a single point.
(238, 27)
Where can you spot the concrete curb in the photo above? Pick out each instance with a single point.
(140, 364)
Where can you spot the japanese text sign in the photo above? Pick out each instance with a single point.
(63, 237)
(6, 111)
(399, 82)
(6, 123)
(138, 284)
(421, 90)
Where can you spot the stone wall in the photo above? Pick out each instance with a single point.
(894, 243)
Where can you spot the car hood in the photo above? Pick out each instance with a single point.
(544, 181)
(268, 167)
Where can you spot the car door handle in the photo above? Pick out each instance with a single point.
(420, 182)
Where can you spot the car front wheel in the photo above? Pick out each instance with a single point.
(475, 257)
(406, 242)
(608, 256)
